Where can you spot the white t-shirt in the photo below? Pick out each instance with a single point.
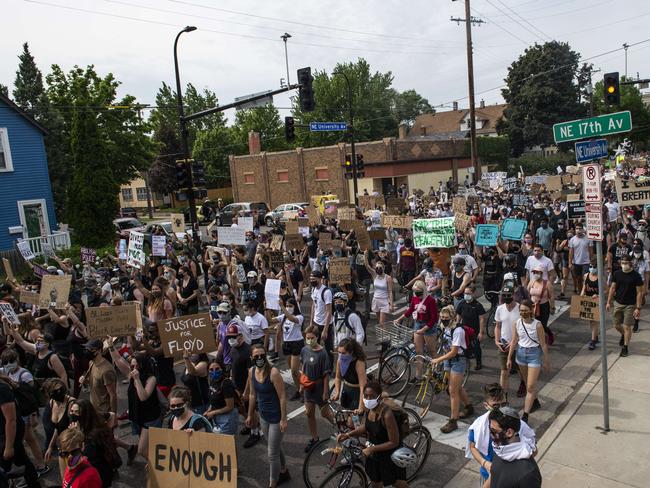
(256, 325)
(580, 246)
(470, 262)
(342, 331)
(107, 291)
(319, 304)
(291, 331)
(508, 318)
(527, 333)
(612, 210)
(545, 263)
(455, 337)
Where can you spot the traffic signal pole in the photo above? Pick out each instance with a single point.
(353, 152)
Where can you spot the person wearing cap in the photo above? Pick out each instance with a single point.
(100, 378)
(222, 322)
(616, 251)
(641, 232)
(626, 291)
(505, 318)
(253, 290)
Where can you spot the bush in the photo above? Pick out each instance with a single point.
(536, 163)
(491, 150)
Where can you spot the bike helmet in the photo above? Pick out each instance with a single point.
(404, 457)
(341, 295)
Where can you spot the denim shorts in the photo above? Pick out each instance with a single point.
(456, 364)
(529, 356)
(418, 324)
(226, 423)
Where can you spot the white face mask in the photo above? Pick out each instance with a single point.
(232, 341)
(290, 310)
(371, 404)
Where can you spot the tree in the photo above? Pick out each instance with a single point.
(266, 121)
(213, 147)
(28, 86)
(4, 90)
(409, 104)
(542, 90)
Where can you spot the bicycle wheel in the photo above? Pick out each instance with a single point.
(414, 418)
(394, 374)
(418, 439)
(317, 466)
(491, 323)
(465, 375)
(419, 397)
(346, 477)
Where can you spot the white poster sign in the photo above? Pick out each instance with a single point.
(158, 245)
(25, 250)
(231, 235)
(7, 310)
(135, 253)
(272, 294)
(246, 223)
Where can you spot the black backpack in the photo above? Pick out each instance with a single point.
(27, 398)
(364, 324)
(401, 417)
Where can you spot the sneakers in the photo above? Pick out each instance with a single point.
(245, 431)
(450, 426)
(251, 441)
(478, 367)
(43, 470)
(557, 281)
(621, 341)
(310, 444)
(521, 391)
(132, 452)
(623, 352)
(536, 406)
(466, 412)
(284, 477)
(123, 416)
(592, 345)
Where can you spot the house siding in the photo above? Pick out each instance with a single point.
(29, 179)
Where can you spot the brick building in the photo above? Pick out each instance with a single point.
(293, 176)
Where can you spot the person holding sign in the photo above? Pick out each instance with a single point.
(590, 289)
(181, 415)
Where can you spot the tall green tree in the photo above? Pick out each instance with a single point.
(409, 104)
(542, 90)
(4, 89)
(265, 120)
(213, 146)
(28, 85)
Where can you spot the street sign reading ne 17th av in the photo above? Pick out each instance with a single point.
(595, 126)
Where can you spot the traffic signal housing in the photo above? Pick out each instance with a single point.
(348, 167)
(306, 91)
(612, 89)
(360, 165)
(198, 173)
(289, 129)
(182, 175)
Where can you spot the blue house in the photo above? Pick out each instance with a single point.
(26, 203)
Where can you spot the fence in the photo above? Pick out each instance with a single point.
(58, 240)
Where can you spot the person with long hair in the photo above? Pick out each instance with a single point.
(543, 298)
(79, 472)
(47, 363)
(182, 417)
(266, 390)
(159, 307)
(350, 378)
(195, 377)
(221, 406)
(188, 291)
(55, 415)
(382, 297)
(290, 321)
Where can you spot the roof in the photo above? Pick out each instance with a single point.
(449, 121)
(442, 136)
(22, 113)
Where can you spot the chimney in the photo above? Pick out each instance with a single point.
(455, 105)
(254, 142)
(482, 103)
(402, 130)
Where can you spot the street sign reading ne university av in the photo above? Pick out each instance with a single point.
(588, 150)
(595, 126)
(327, 126)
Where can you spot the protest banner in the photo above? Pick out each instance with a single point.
(513, 229)
(276, 259)
(494, 175)
(9, 273)
(439, 232)
(158, 245)
(394, 204)
(585, 308)
(200, 460)
(363, 238)
(29, 297)
(631, 192)
(339, 271)
(539, 179)
(39, 271)
(487, 234)
(178, 222)
(54, 291)
(88, 255)
(461, 222)
(8, 312)
(347, 225)
(246, 223)
(276, 242)
(136, 256)
(193, 333)
(313, 215)
(272, 294)
(575, 209)
(396, 221)
(553, 183)
(235, 236)
(291, 227)
(511, 183)
(114, 320)
(346, 213)
(25, 250)
(519, 200)
(377, 234)
(294, 241)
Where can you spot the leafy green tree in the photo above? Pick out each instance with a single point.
(213, 146)
(28, 86)
(409, 104)
(542, 90)
(4, 90)
(265, 120)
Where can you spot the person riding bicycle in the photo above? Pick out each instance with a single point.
(347, 323)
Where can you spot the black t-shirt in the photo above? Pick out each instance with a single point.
(521, 473)
(6, 396)
(254, 293)
(312, 246)
(296, 277)
(186, 291)
(219, 393)
(558, 236)
(626, 284)
(240, 364)
(617, 253)
(554, 218)
(470, 312)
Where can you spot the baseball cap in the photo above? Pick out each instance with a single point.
(223, 307)
(317, 274)
(232, 330)
(251, 274)
(115, 281)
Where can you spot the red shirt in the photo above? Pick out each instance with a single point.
(88, 478)
(426, 310)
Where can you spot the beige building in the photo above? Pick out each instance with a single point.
(134, 194)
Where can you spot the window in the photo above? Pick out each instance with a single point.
(141, 193)
(322, 174)
(249, 178)
(283, 176)
(127, 194)
(5, 153)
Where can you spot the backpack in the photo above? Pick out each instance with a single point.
(26, 396)
(401, 417)
(470, 341)
(322, 293)
(364, 324)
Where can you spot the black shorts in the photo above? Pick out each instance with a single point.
(315, 394)
(380, 467)
(292, 348)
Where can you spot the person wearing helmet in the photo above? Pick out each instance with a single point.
(382, 431)
(460, 279)
(347, 323)
(471, 267)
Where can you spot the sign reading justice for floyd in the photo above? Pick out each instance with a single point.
(188, 332)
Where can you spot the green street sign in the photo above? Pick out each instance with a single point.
(602, 125)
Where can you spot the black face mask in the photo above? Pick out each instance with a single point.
(73, 417)
(313, 283)
(499, 439)
(339, 307)
(507, 299)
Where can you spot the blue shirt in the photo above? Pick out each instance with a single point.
(490, 455)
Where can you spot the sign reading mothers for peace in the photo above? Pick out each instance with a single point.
(631, 192)
(200, 460)
(135, 253)
(513, 229)
(189, 332)
(158, 245)
(396, 221)
(25, 250)
(54, 291)
(434, 232)
(115, 320)
(339, 271)
(583, 307)
(487, 234)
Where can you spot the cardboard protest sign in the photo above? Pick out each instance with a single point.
(347, 225)
(201, 460)
(313, 215)
(325, 240)
(303, 222)
(291, 227)
(114, 320)
(513, 229)
(553, 183)
(54, 291)
(459, 205)
(235, 236)
(539, 179)
(367, 201)
(585, 308)
(632, 192)
(294, 241)
(377, 234)
(363, 238)
(187, 332)
(575, 208)
(339, 271)
(8, 271)
(510, 184)
(396, 221)
(272, 294)
(25, 250)
(346, 213)
(276, 259)
(178, 222)
(394, 205)
(8, 312)
(439, 232)
(88, 255)
(276, 242)
(136, 256)
(461, 222)
(247, 223)
(29, 297)
(487, 234)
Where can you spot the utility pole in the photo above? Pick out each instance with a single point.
(625, 46)
(469, 20)
(353, 153)
(284, 37)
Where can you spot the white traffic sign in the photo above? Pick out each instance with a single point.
(591, 183)
(594, 221)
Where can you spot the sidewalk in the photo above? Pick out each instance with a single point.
(574, 451)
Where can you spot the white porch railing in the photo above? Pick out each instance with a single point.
(57, 240)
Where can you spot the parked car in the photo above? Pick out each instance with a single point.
(286, 211)
(167, 231)
(242, 209)
(125, 225)
(128, 212)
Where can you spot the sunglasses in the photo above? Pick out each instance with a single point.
(65, 454)
(263, 356)
(177, 405)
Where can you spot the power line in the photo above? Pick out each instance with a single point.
(526, 21)
(516, 21)
(500, 27)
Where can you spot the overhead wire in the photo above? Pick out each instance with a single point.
(526, 21)
(536, 35)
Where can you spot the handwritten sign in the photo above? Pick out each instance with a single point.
(88, 255)
(377, 234)
(115, 320)
(487, 234)
(292, 227)
(631, 192)
(8, 271)
(276, 259)
(537, 179)
(347, 225)
(136, 256)
(585, 308)
(189, 332)
(235, 236)
(25, 250)
(511, 183)
(29, 297)
(553, 183)
(276, 242)
(461, 222)
(396, 221)
(294, 241)
(178, 222)
(158, 244)
(247, 223)
(513, 229)
(371, 201)
(313, 215)
(200, 460)
(519, 200)
(434, 232)
(339, 271)
(54, 291)
(346, 213)
(363, 238)
(394, 203)
(8, 312)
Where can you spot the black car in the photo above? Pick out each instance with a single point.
(128, 212)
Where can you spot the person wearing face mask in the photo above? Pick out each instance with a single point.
(640, 259)
(346, 322)
(539, 261)
(460, 280)
(471, 266)
(561, 256)
(616, 251)
(406, 262)
(529, 342)
(159, 307)
(253, 290)
(55, 415)
(266, 391)
(221, 410)
(47, 363)
(431, 274)
(557, 216)
(472, 314)
(188, 292)
(543, 297)
(290, 322)
(321, 309)
(79, 473)
(100, 377)
(382, 297)
(350, 379)
(505, 318)
(221, 322)
(580, 254)
(544, 236)
(590, 289)
(181, 415)
(626, 291)
(642, 233)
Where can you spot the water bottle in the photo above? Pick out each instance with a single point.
(355, 421)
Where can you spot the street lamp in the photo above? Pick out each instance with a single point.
(184, 137)
(351, 130)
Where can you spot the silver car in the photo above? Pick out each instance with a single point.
(286, 211)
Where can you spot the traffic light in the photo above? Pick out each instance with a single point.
(182, 175)
(348, 167)
(289, 129)
(198, 173)
(612, 89)
(306, 92)
(360, 171)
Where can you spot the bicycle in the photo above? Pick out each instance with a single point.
(490, 322)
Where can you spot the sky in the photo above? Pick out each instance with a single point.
(237, 50)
